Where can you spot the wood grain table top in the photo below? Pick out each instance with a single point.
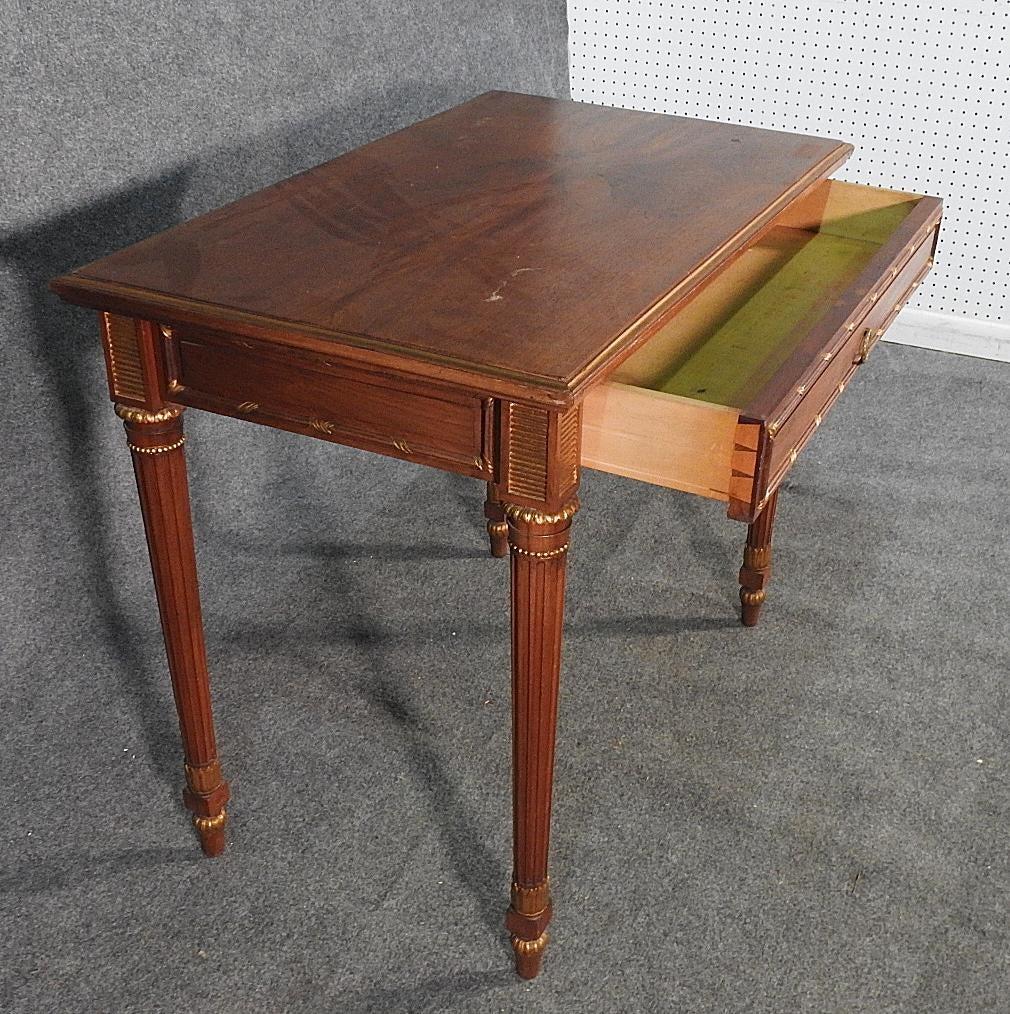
(530, 240)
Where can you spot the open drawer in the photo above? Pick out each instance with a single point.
(720, 400)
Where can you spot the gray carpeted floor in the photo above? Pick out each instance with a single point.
(807, 816)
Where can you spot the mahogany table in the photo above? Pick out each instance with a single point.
(509, 290)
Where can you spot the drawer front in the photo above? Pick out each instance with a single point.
(803, 412)
(307, 393)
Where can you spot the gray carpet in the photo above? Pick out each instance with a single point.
(806, 816)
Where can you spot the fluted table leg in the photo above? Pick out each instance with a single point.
(756, 571)
(497, 528)
(156, 442)
(539, 545)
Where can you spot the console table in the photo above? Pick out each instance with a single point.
(509, 290)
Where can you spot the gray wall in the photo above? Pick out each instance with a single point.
(121, 119)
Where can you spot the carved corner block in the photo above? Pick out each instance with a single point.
(138, 360)
(538, 454)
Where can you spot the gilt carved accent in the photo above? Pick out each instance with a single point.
(129, 414)
(158, 448)
(538, 516)
(531, 900)
(547, 555)
(205, 825)
(756, 556)
(529, 954)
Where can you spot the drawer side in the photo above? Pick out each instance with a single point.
(660, 439)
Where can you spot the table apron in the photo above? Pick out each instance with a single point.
(320, 397)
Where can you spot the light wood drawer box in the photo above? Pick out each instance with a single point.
(722, 398)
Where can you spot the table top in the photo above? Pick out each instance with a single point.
(528, 239)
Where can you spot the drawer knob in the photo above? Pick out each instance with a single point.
(870, 336)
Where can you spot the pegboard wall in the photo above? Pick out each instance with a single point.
(919, 88)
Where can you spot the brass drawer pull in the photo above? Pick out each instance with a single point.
(870, 336)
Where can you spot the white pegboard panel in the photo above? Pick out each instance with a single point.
(919, 88)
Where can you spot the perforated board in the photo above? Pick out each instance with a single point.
(919, 88)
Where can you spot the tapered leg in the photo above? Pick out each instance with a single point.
(539, 544)
(156, 442)
(497, 527)
(757, 563)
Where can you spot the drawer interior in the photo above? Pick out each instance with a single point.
(731, 336)
(678, 412)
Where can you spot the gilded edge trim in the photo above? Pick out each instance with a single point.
(531, 901)
(164, 449)
(215, 823)
(142, 415)
(549, 554)
(526, 948)
(536, 516)
(756, 557)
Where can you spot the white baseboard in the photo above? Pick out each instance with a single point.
(946, 333)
